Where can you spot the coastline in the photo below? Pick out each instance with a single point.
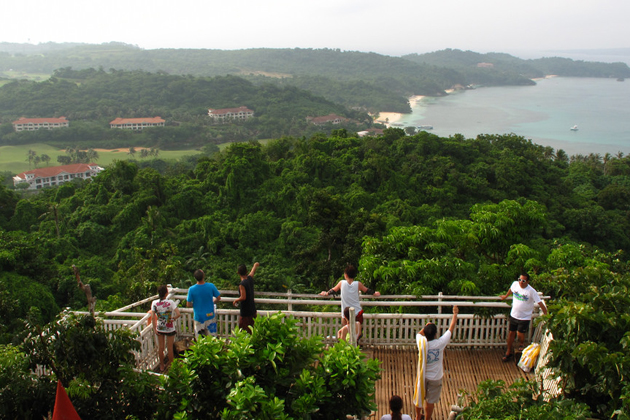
(390, 118)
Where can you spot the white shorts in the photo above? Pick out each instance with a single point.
(206, 328)
(433, 390)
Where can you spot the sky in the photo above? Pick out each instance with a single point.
(394, 27)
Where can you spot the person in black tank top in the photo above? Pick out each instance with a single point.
(246, 297)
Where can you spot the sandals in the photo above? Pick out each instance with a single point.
(507, 357)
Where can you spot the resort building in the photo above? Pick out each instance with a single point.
(228, 114)
(56, 175)
(326, 119)
(373, 132)
(32, 124)
(136, 124)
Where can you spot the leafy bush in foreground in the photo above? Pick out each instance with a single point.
(522, 401)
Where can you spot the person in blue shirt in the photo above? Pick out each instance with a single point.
(202, 298)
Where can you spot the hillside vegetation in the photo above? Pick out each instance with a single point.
(418, 214)
(370, 81)
(90, 99)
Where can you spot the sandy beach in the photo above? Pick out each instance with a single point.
(390, 118)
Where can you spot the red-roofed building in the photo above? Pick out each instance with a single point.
(136, 124)
(374, 132)
(56, 175)
(31, 124)
(226, 114)
(326, 119)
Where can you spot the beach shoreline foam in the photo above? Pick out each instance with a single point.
(390, 118)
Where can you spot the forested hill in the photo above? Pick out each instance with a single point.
(371, 81)
(418, 214)
(92, 98)
(467, 61)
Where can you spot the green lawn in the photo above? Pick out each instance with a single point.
(17, 75)
(13, 158)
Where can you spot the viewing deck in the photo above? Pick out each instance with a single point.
(474, 354)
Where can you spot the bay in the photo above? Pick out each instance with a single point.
(543, 113)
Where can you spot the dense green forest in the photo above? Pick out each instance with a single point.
(369, 81)
(418, 214)
(91, 98)
(306, 207)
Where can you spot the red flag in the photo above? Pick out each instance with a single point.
(64, 410)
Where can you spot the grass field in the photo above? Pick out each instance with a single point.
(14, 158)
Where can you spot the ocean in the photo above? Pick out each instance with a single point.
(543, 113)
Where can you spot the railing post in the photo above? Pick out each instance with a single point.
(352, 327)
(440, 303)
(290, 305)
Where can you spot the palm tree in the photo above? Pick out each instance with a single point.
(45, 158)
(198, 259)
(30, 156)
(92, 155)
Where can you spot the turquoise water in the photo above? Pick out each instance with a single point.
(543, 113)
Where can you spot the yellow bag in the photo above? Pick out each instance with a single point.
(529, 356)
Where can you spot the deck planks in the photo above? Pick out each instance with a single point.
(464, 368)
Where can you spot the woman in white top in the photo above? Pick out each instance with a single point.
(395, 404)
(164, 312)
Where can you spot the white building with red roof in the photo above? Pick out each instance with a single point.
(226, 114)
(56, 175)
(32, 124)
(136, 124)
(326, 119)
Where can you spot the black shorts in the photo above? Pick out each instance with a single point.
(518, 325)
(168, 334)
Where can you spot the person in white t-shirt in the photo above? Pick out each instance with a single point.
(164, 313)
(395, 405)
(525, 297)
(434, 370)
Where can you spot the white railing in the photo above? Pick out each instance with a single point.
(394, 328)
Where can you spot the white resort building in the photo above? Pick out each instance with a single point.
(228, 114)
(136, 124)
(56, 175)
(32, 124)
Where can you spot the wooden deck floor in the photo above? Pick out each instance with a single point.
(463, 369)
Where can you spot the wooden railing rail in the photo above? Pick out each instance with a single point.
(379, 329)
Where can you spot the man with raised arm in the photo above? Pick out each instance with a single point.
(525, 296)
(350, 295)
(431, 366)
(201, 297)
(246, 295)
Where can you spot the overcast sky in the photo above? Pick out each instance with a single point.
(393, 27)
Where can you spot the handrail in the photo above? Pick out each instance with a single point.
(319, 316)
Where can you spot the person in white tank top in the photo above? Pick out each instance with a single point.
(350, 289)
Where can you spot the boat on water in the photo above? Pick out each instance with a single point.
(425, 127)
(574, 128)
